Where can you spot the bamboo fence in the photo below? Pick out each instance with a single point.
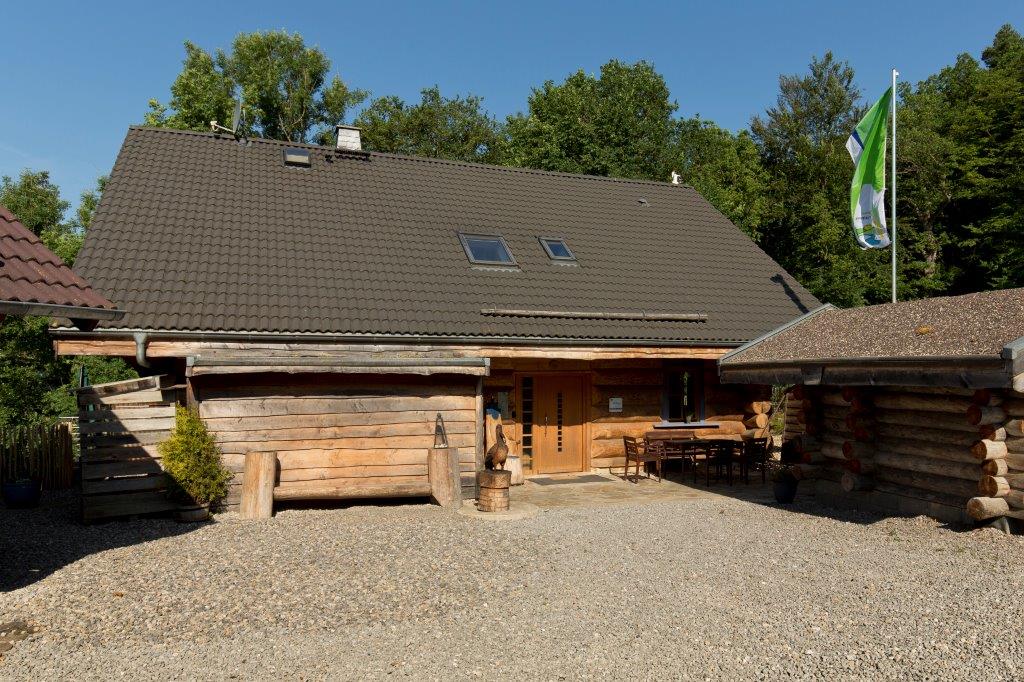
(42, 451)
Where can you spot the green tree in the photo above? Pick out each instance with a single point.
(34, 200)
(725, 168)
(284, 85)
(807, 224)
(34, 384)
(439, 127)
(989, 126)
(619, 124)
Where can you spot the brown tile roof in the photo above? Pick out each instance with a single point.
(199, 232)
(951, 326)
(31, 273)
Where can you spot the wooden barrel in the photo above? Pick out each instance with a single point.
(493, 490)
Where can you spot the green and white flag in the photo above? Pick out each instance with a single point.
(867, 191)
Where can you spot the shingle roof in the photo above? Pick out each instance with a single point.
(196, 231)
(32, 274)
(951, 326)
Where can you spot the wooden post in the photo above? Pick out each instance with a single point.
(445, 479)
(258, 485)
(481, 452)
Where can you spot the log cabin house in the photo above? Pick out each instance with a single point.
(911, 408)
(327, 303)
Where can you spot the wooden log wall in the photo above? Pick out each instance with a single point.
(641, 384)
(341, 432)
(120, 425)
(925, 445)
(641, 390)
(999, 417)
(814, 417)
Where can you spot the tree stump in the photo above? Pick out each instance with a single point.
(493, 490)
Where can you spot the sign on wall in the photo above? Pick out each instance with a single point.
(615, 404)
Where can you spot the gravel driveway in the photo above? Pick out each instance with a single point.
(694, 589)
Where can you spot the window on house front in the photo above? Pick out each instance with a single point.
(557, 249)
(684, 393)
(484, 249)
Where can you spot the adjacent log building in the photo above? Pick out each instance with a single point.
(913, 407)
(326, 303)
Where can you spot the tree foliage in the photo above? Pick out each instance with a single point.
(37, 387)
(807, 223)
(618, 123)
(439, 127)
(724, 167)
(283, 83)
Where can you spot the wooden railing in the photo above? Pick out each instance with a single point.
(44, 452)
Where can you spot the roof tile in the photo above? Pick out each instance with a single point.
(199, 232)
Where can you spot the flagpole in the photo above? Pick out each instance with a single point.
(892, 197)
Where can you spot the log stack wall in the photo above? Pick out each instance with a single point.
(999, 417)
(341, 431)
(901, 449)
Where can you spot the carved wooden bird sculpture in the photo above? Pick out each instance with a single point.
(498, 453)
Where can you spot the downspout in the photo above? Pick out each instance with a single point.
(140, 349)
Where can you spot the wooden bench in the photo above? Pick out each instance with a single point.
(260, 489)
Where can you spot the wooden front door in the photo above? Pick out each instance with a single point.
(558, 423)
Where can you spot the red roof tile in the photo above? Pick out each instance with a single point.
(31, 273)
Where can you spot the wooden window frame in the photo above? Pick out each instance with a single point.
(696, 370)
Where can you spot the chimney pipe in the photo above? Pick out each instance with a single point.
(348, 138)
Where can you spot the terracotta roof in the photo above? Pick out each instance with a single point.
(198, 232)
(979, 324)
(32, 274)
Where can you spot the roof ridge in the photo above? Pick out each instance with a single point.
(420, 159)
(932, 299)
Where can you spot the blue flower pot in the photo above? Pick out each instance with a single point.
(785, 489)
(21, 494)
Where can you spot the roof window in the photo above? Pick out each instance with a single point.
(557, 249)
(482, 249)
(296, 157)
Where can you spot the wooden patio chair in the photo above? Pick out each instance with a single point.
(695, 452)
(722, 456)
(642, 453)
(755, 453)
(674, 449)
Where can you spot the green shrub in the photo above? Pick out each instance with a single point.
(191, 459)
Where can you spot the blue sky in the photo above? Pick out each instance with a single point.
(76, 74)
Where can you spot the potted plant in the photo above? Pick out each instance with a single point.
(21, 493)
(784, 484)
(192, 462)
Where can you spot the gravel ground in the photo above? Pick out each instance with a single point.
(700, 589)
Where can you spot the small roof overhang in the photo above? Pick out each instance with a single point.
(965, 371)
(72, 312)
(334, 363)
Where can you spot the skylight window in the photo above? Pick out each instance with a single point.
(482, 249)
(296, 157)
(557, 249)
